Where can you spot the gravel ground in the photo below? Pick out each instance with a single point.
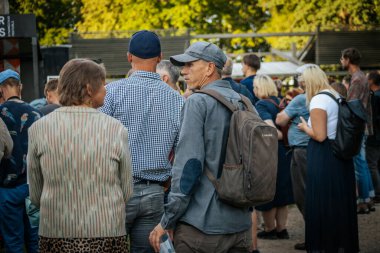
(369, 234)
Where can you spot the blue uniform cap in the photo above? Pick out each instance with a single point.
(8, 74)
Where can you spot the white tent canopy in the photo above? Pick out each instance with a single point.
(269, 68)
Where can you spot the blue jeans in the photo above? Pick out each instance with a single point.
(363, 177)
(14, 223)
(144, 212)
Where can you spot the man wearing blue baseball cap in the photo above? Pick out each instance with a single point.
(201, 221)
(150, 110)
(18, 116)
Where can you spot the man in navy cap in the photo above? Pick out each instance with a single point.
(18, 116)
(202, 222)
(150, 110)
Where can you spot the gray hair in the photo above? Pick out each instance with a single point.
(227, 69)
(173, 71)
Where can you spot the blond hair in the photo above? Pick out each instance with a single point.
(264, 86)
(315, 80)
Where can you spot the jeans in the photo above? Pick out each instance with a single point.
(14, 223)
(373, 158)
(363, 177)
(144, 211)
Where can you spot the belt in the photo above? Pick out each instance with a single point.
(149, 182)
(293, 147)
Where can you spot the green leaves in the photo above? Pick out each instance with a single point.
(57, 18)
(295, 15)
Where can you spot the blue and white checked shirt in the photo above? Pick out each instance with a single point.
(151, 111)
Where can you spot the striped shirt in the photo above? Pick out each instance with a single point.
(151, 110)
(79, 172)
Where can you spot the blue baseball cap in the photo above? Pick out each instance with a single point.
(145, 44)
(4, 75)
(201, 50)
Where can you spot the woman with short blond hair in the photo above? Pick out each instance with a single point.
(275, 213)
(80, 168)
(330, 208)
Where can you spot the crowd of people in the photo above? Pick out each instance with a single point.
(115, 167)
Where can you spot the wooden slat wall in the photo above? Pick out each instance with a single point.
(332, 43)
(113, 51)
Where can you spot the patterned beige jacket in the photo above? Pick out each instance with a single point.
(79, 172)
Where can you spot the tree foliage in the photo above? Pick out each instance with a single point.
(55, 18)
(304, 16)
(200, 16)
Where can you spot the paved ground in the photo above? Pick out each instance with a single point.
(369, 234)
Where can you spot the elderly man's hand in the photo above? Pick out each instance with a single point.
(155, 236)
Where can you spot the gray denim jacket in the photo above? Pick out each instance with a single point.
(202, 142)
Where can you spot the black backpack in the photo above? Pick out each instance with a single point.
(350, 128)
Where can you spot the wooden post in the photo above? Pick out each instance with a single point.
(317, 45)
(294, 50)
(4, 7)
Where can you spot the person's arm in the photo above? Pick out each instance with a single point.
(291, 111)
(282, 118)
(177, 119)
(125, 166)
(35, 177)
(266, 116)
(356, 90)
(318, 129)
(187, 168)
(279, 133)
(5, 139)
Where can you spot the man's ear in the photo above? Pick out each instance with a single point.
(159, 58)
(129, 56)
(210, 68)
(165, 78)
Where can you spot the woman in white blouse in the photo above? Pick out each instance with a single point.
(330, 220)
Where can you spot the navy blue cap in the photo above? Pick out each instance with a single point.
(8, 74)
(145, 44)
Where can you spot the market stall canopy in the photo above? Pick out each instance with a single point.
(269, 68)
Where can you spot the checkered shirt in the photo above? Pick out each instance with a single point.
(150, 110)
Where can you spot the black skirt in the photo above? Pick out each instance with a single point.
(330, 213)
(284, 190)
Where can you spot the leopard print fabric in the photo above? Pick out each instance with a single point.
(84, 245)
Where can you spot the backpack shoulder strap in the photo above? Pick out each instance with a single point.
(247, 103)
(211, 177)
(273, 102)
(219, 97)
(330, 95)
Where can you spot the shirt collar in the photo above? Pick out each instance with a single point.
(74, 109)
(218, 83)
(145, 74)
